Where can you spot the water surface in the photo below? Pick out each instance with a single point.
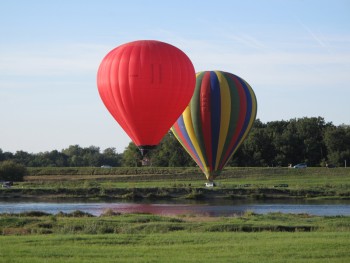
(213, 208)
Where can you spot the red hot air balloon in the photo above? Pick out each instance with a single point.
(146, 85)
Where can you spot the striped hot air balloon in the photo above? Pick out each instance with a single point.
(217, 120)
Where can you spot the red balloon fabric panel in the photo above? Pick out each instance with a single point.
(146, 85)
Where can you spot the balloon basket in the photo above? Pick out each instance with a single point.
(144, 149)
(210, 184)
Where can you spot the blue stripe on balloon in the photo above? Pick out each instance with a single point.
(215, 114)
(248, 113)
(182, 129)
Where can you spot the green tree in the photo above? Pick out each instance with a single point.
(5, 155)
(131, 156)
(275, 129)
(170, 153)
(111, 157)
(58, 159)
(12, 171)
(311, 132)
(91, 156)
(337, 141)
(41, 160)
(258, 148)
(23, 157)
(75, 155)
(291, 146)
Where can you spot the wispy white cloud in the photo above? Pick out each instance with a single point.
(317, 38)
(247, 41)
(270, 67)
(54, 61)
(262, 63)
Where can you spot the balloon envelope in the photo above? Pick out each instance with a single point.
(146, 85)
(217, 120)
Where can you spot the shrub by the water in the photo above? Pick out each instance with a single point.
(12, 171)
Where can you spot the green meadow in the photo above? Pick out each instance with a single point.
(179, 247)
(158, 182)
(78, 237)
(170, 177)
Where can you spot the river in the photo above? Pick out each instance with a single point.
(212, 208)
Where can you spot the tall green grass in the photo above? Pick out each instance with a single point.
(82, 223)
(78, 237)
(179, 246)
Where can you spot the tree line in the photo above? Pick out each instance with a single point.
(73, 156)
(277, 143)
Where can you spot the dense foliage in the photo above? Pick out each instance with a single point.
(73, 156)
(277, 143)
(12, 171)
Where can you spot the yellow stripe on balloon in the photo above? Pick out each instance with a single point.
(225, 115)
(189, 128)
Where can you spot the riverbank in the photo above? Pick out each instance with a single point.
(78, 222)
(98, 193)
(180, 183)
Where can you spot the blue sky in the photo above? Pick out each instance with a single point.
(294, 54)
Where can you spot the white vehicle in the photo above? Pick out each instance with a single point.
(300, 165)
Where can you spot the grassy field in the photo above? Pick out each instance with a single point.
(149, 238)
(152, 182)
(179, 247)
(170, 177)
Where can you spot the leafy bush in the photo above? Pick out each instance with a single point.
(110, 212)
(34, 214)
(76, 213)
(12, 171)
